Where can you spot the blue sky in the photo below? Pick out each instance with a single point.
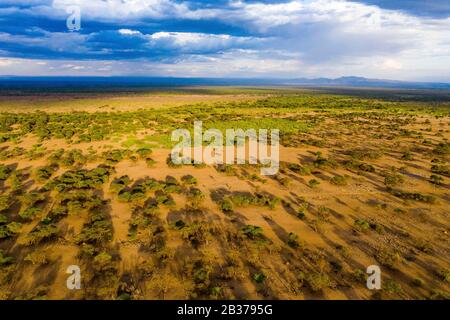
(395, 39)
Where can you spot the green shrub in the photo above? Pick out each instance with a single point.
(81, 179)
(437, 180)
(322, 162)
(5, 202)
(195, 196)
(392, 287)
(226, 205)
(252, 232)
(441, 169)
(407, 156)
(339, 180)
(444, 274)
(313, 183)
(417, 196)
(196, 233)
(102, 262)
(40, 233)
(165, 199)
(14, 227)
(293, 240)
(389, 259)
(417, 282)
(4, 172)
(365, 154)
(5, 260)
(318, 281)
(97, 232)
(30, 212)
(44, 173)
(144, 152)
(393, 179)
(362, 224)
(442, 148)
(189, 180)
(119, 184)
(259, 277)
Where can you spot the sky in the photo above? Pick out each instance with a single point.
(384, 39)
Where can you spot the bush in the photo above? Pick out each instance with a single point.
(259, 277)
(360, 166)
(5, 202)
(5, 260)
(252, 232)
(37, 258)
(10, 229)
(417, 282)
(417, 196)
(442, 148)
(392, 287)
(30, 212)
(81, 179)
(393, 179)
(97, 232)
(313, 183)
(171, 164)
(318, 281)
(407, 156)
(301, 213)
(189, 180)
(362, 225)
(444, 274)
(195, 196)
(196, 233)
(365, 154)
(119, 184)
(226, 205)
(441, 169)
(4, 172)
(339, 180)
(144, 152)
(322, 162)
(245, 200)
(293, 240)
(103, 262)
(44, 173)
(437, 180)
(389, 259)
(40, 233)
(163, 198)
(226, 168)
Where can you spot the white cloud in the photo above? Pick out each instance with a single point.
(119, 10)
(129, 32)
(189, 41)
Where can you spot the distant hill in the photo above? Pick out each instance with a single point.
(52, 83)
(365, 82)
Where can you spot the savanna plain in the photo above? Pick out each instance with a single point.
(86, 179)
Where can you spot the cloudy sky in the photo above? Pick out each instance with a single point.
(392, 39)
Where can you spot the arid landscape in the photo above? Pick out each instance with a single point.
(87, 181)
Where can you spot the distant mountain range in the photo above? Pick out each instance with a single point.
(20, 83)
(365, 82)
